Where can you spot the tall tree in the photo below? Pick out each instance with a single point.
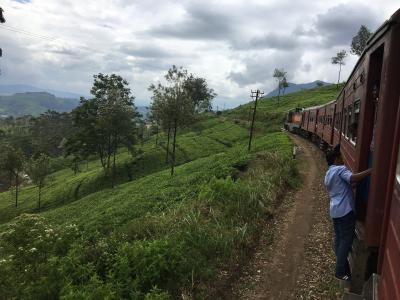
(38, 170)
(359, 41)
(49, 130)
(105, 122)
(339, 60)
(177, 103)
(12, 161)
(280, 76)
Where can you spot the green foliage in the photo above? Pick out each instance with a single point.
(339, 60)
(29, 249)
(38, 170)
(104, 123)
(359, 41)
(153, 236)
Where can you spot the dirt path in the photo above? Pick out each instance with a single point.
(298, 263)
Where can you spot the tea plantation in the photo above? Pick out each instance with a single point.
(153, 236)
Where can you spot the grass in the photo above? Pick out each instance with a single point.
(271, 113)
(153, 236)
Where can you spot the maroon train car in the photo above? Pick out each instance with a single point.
(389, 256)
(320, 122)
(294, 119)
(365, 121)
(327, 135)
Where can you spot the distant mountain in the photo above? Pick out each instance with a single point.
(294, 87)
(11, 89)
(34, 103)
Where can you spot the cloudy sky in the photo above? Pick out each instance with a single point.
(235, 45)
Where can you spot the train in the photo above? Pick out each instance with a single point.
(365, 120)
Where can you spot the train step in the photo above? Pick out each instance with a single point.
(351, 296)
(369, 292)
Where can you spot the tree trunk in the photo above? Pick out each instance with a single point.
(16, 190)
(279, 93)
(168, 138)
(340, 69)
(11, 178)
(109, 153)
(174, 147)
(157, 137)
(40, 194)
(113, 172)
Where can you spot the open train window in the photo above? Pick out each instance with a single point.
(354, 122)
(348, 122)
(337, 121)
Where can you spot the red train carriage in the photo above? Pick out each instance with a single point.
(337, 131)
(304, 120)
(294, 119)
(365, 120)
(327, 135)
(320, 122)
(389, 255)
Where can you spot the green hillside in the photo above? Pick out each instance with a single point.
(271, 113)
(153, 236)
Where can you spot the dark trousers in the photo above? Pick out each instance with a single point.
(344, 234)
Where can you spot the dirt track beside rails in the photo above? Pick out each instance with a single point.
(299, 262)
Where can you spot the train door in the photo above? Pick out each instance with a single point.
(369, 122)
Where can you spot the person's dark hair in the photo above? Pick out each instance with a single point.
(331, 155)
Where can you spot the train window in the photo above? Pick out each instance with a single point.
(354, 121)
(337, 120)
(348, 122)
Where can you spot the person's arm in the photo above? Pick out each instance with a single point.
(357, 177)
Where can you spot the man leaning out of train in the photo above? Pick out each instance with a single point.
(338, 182)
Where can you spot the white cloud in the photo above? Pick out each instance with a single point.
(235, 45)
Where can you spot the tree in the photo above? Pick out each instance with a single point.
(198, 92)
(177, 103)
(12, 161)
(38, 170)
(280, 76)
(105, 122)
(359, 41)
(49, 130)
(339, 60)
(285, 84)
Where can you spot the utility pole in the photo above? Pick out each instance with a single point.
(255, 95)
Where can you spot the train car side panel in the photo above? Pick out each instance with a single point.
(337, 132)
(328, 123)
(320, 121)
(386, 120)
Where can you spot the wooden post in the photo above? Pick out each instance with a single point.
(257, 94)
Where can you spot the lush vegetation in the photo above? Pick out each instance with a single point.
(152, 236)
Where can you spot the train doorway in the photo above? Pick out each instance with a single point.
(370, 115)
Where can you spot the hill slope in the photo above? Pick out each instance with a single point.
(34, 103)
(10, 89)
(153, 236)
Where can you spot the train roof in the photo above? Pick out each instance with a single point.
(385, 27)
(319, 106)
